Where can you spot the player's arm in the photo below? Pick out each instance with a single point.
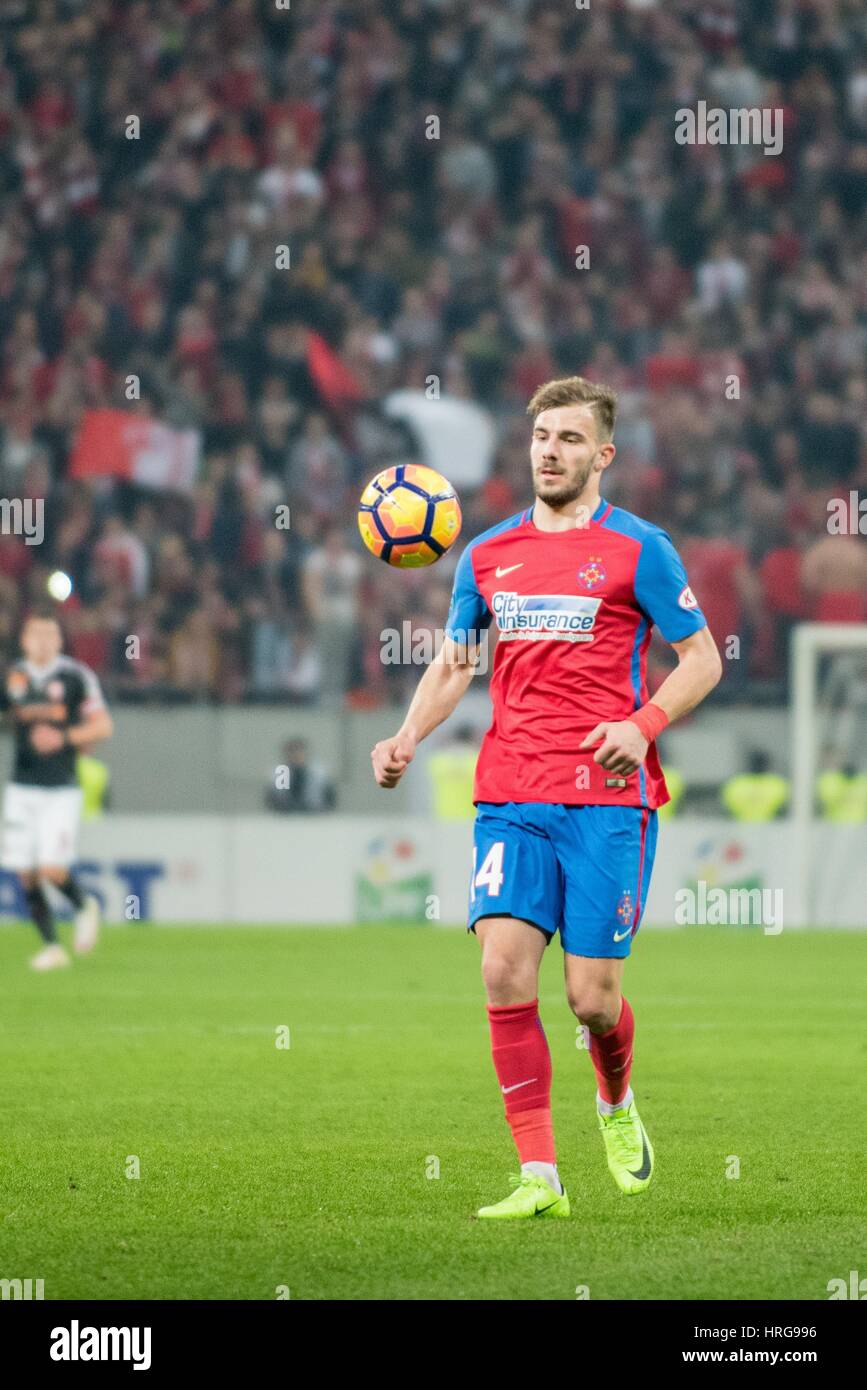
(445, 680)
(47, 738)
(93, 729)
(95, 723)
(28, 714)
(699, 668)
(437, 694)
(93, 726)
(625, 742)
(664, 595)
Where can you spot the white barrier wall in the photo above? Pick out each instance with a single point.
(220, 760)
(334, 869)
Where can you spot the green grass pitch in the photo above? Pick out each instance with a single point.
(307, 1167)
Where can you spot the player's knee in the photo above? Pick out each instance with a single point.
(507, 977)
(595, 1008)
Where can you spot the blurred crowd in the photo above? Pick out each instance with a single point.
(434, 168)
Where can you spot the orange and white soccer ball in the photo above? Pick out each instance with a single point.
(409, 515)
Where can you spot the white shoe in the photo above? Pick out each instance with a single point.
(50, 958)
(86, 926)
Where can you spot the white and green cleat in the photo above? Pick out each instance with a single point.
(628, 1149)
(532, 1197)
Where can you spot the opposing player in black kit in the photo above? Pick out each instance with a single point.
(56, 707)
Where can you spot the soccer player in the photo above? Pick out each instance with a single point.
(57, 707)
(568, 780)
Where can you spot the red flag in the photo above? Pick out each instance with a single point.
(334, 381)
(123, 445)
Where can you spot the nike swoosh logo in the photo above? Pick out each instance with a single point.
(644, 1170)
(508, 569)
(518, 1084)
(622, 935)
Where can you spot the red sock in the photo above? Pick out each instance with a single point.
(523, 1066)
(611, 1055)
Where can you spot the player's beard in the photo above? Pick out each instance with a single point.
(560, 496)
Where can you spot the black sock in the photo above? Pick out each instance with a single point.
(41, 914)
(72, 891)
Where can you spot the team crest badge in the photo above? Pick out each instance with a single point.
(54, 690)
(593, 573)
(625, 907)
(16, 685)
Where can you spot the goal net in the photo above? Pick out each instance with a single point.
(829, 757)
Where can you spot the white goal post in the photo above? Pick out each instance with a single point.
(810, 643)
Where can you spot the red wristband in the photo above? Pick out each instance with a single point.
(650, 719)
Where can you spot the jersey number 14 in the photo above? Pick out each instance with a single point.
(490, 875)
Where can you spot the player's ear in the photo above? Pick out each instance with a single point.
(605, 456)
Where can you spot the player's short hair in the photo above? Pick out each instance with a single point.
(43, 614)
(577, 390)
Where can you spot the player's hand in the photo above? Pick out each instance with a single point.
(623, 749)
(46, 739)
(391, 757)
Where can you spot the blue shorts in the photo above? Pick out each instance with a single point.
(581, 870)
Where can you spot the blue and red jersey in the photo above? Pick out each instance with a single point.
(573, 612)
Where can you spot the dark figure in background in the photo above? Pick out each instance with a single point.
(300, 786)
